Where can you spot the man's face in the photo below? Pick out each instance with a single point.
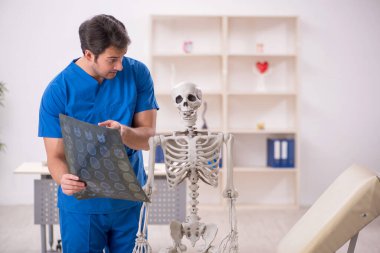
(108, 63)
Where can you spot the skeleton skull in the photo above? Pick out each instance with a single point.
(187, 98)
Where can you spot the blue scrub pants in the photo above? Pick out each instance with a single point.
(91, 233)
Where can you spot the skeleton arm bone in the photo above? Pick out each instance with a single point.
(153, 143)
(229, 191)
(230, 243)
(141, 243)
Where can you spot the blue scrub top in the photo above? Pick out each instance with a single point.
(76, 94)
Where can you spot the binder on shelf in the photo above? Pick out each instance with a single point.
(291, 152)
(280, 153)
(273, 153)
(284, 153)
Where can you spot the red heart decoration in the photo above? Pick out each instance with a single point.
(262, 66)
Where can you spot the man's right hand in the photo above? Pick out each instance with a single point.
(70, 184)
(56, 160)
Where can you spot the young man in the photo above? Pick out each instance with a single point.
(102, 87)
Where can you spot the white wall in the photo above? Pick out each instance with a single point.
(339, 75)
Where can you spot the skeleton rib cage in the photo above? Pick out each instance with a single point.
(201, 154)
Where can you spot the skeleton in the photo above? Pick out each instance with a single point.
(192, 155)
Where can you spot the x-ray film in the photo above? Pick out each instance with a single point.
(98, 157)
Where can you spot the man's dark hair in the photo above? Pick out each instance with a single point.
(101, 32)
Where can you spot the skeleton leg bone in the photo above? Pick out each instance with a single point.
(208, 235)
(230, 242)
(176, 233)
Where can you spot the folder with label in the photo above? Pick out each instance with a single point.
(280, 153)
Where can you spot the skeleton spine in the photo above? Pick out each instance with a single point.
(194, 195)
(191, 130)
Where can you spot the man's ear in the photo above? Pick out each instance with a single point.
(89, 55)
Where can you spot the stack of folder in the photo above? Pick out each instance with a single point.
(280, 153)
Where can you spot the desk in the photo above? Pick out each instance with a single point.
(166, 206)
(45, 200)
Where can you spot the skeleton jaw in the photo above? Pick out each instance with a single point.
(189, 117)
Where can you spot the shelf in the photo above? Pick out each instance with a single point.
(276, 113)
(261, 35)
(169, 34)
(206, 73)
(266, 55)
(244, 77)
(167, 93)
(264, 131)
(250, 150)
(169, 131)
(264, 93)
(264, 170)
(199, 55)
(236, 131)
(190, 55)
(276, 17)
(220, 54)
(240, 206)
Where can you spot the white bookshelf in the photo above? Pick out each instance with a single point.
(221, 62)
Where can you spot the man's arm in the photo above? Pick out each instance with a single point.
(136, 137)
(57, 165)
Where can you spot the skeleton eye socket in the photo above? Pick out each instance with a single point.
(191, 98)
(178, 99)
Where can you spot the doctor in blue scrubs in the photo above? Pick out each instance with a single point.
(106, 88)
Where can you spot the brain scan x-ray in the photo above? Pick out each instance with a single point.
(98, 157)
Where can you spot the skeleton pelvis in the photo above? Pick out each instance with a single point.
(193, 231)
